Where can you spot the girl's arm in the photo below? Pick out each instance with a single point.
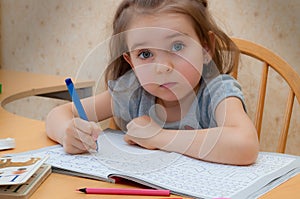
(234, 141)
(76, 135)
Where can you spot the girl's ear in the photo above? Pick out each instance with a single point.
(127, 58)
(212, 39)
(208, 51)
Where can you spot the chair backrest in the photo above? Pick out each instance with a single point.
(292, 78)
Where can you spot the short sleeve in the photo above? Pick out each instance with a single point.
(218, 89)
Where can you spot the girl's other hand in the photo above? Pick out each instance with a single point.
(142, 131)
(80, 136)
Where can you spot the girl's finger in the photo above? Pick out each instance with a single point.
(76, 136)
(83, 125)
(87, 141)
(128, 140)
(96, 130)
(73, 146)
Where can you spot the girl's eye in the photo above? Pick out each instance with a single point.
(177, 47)
(145, 54)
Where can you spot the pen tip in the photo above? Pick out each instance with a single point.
(82, 190)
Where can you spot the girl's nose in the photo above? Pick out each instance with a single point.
(164, 65)
(162, 68)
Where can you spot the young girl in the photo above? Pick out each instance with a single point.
(168, 87)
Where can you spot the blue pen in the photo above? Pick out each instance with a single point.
(76, 101)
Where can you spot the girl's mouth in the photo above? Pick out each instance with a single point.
(168, 85)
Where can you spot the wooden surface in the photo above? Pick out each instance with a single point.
(30, 134)
(16, 85)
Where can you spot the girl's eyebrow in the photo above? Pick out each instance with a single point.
(137, 46)
(177, 34)
(171, 36)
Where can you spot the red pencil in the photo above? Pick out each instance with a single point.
(120, 191)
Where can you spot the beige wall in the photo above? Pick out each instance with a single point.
(55, 37)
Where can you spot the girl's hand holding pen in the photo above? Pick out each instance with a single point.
(80, 136)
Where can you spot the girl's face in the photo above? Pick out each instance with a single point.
(165, 54)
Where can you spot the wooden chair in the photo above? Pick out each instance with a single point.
(291, 77)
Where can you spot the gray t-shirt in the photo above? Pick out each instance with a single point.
(130, 100)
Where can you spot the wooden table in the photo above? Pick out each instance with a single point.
(30, 134)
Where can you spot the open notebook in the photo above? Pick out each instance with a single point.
(181, 174)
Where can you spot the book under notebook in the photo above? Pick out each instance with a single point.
(25, 190)
(18, 169)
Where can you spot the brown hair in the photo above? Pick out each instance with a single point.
(225, 53)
